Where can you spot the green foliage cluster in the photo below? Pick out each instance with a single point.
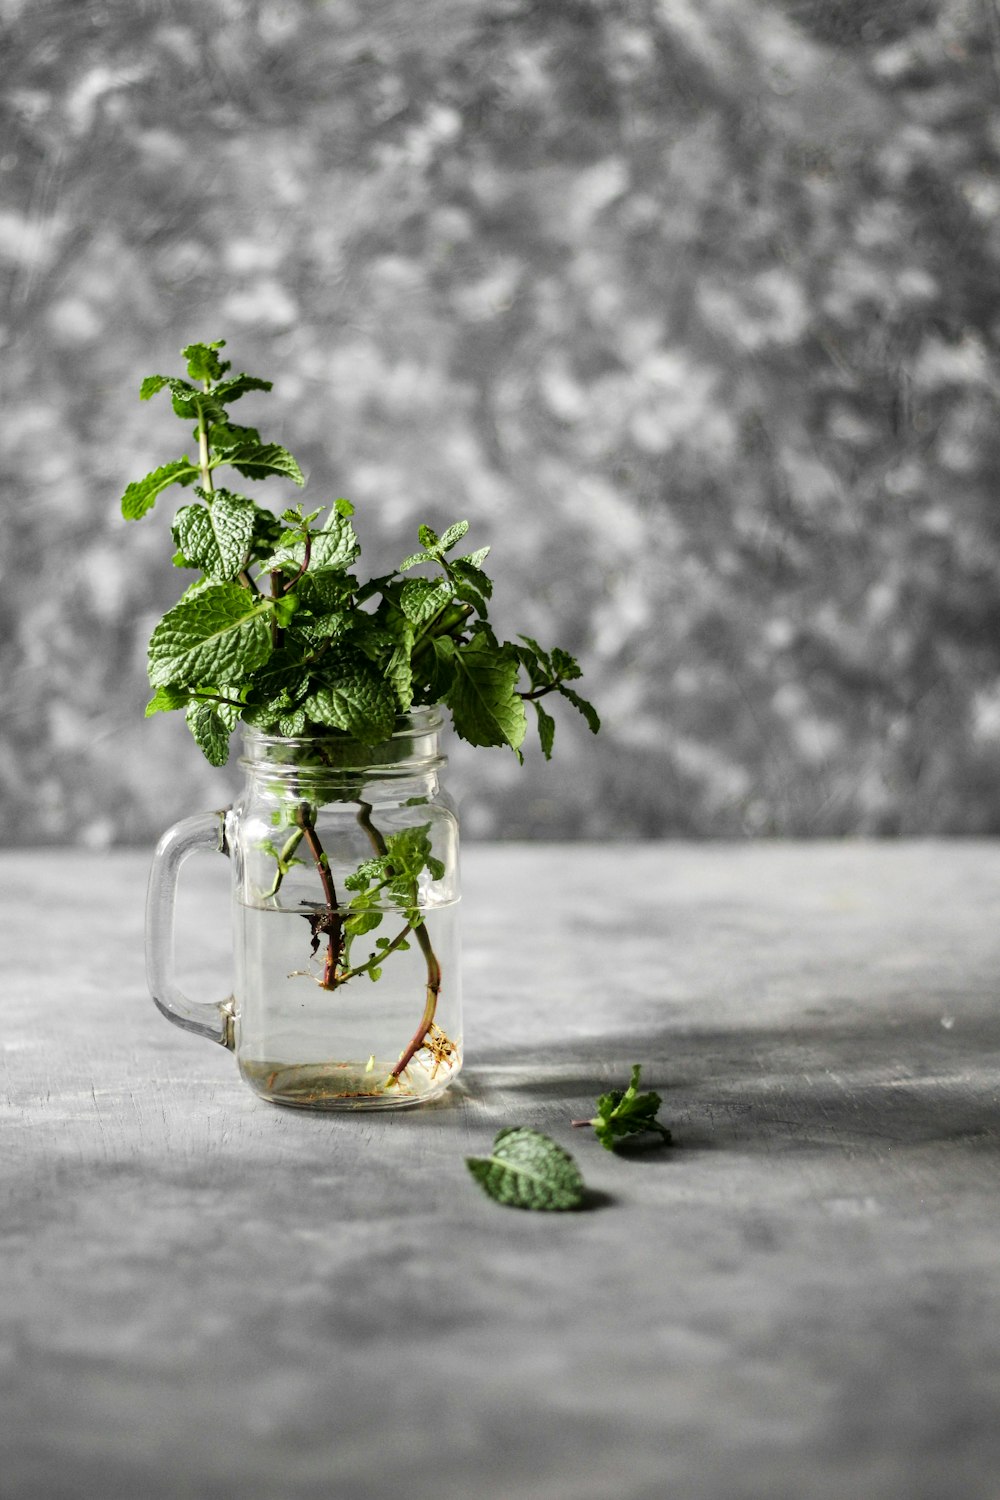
(625, 1112)
(278, 632)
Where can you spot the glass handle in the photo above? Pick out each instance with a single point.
(213, 1019)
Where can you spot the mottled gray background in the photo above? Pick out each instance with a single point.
(689, 305)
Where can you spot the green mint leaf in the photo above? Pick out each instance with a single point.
(485, 708)
(421, 599)
(367, 871)
(343, 507)
(624, 1112)
(528, 1170)
(399, 668)
(210, 731)
(166, 698)
(546, 729)
(203, 362)
(281, 682)
(429, 540)
(285, 607)
(293, 723)
(224, 435)
(474, 559)
(219, 634)
(467, 573)
(237, 386)
(587, 709)
(151, 385)
(142, 494)
(258, 460)
(564, 666)
(469, 594)
(453, 536)
(414, 560)
(357, 699)
(325, 591)
(217, 536)
(335, 546)
(360, 922)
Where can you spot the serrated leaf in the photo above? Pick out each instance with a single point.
(541, 656)
(194, 406)
(220, 634)
(624, 1112)
(151, 385)
(429, 540)
(210, 732)
(453, 536)
(357, 699)
(474, 559)
(360, 922)
(420, 599)
(546, 729)
(582, 706)
(332, 549)
(399, 668)
(167, 697)
(285, 608)
(203, 362)
(278, 689)
(293, 723)
(485, 708)
(335, 546)
(529, 1170)
(237, 386)
(565, 666)
(216, 537)
(468, 573)
(258, 460)
(223, 435)
(142, 494)
(414, 560)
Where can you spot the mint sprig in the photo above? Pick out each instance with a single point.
(278, 625)
(626, 1112)
(528, 1170)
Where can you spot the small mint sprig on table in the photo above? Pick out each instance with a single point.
(528, 1170)
(625, 1112)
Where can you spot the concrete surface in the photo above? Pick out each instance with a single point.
(205, 1297)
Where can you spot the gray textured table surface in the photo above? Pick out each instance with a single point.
(205, 1296)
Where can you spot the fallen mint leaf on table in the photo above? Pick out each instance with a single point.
(528, 1170)
(624, 1112)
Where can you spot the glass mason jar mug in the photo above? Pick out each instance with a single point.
(345, 897)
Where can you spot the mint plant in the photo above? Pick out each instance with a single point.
(276, 630)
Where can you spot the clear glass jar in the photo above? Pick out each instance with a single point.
(347, 986)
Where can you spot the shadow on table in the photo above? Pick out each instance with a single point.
(883, 1079)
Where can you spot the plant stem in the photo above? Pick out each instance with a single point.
(290, 846)
(430, 957)
(335, 924)
(203, 459)
(377, 958)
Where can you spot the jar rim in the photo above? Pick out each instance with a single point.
(259, 746)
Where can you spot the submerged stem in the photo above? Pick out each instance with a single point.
(331, 922)
(430, 958)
